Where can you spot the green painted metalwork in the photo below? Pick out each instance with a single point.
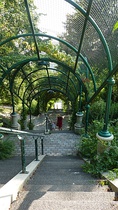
(54, 83)
(24, 62)
(104, 83)
(83, 32)
(48, 76)
(80, 99)
(61, 84)
(21, 63)
(32, 28)
(105, 132)
(31, 74)
(46, 59)
(36, 149)
(26, 77)
(98, 31)
(22, 142)
(55, 90)
(87, 120)
(60, 40)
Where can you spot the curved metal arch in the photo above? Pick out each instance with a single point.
(24, 62)
(2, 68)
(66, 93)
(52, 60)
(102, 38)
(43, 84)
(62, 41)
(58, 85)
(46, 89)
(52, 83)
(31, 73)
(15, 66)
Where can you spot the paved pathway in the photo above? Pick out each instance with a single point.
(40, 122)
(10, 167)
(60, 184)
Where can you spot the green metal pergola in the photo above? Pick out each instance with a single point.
(42, 72)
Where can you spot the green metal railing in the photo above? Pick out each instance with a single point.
(20, 135)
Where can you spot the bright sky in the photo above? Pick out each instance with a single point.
(55, 14)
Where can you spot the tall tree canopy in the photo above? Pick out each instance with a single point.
(105, 14)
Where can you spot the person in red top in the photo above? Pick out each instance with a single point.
(59, 122)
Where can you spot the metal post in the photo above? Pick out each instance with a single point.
(42, 150)
(86, 120)
(46, 123)
(80, 99)
(22, 143)
(23, 155)
(36, 149)
(104, 133)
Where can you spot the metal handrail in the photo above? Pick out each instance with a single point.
(20, 135)
(17, 132)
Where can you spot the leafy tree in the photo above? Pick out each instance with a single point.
(14, 21)
(105, 15)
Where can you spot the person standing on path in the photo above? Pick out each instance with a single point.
(59, 122)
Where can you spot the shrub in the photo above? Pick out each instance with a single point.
(30, 125)
(88, 147)
(6, 149)
(114, 111)
(97, 110)
(106, 160)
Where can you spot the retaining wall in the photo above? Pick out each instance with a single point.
(53, 144)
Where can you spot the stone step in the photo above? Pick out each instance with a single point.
(72, 205)
(74, 196)
(56, 180)
(67, 188)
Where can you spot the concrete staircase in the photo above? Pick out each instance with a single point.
(60, 184)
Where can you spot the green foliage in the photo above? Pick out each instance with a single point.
(105, 16)
(24, 113)
(115, 26)
(88, 147)
(97, 110)
(30, 125)
(102, 162)
(23, 117)
(114, 111)
(6, 149)
(34, 108)
(112, 174)
(53, 51)
(73, 116)
(98, 162)
(6, 122)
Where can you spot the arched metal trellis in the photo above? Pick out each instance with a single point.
(73, 71)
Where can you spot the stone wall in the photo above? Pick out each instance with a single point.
(53, 144)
